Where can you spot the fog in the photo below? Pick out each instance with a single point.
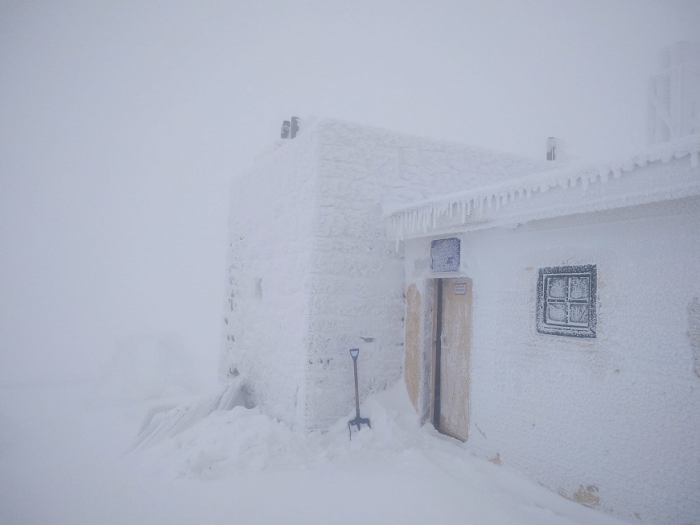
(122, 125)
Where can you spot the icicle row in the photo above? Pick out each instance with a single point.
(428, 216)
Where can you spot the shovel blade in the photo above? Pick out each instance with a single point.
(358, 422)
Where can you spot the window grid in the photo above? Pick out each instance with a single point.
(566, 301)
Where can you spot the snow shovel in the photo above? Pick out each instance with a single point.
(358, 421)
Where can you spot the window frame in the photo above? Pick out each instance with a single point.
(567, 328)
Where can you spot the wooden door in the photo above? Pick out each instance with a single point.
(453, 354)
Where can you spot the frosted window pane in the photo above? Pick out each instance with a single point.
(444, 255)
(579, 313)
(556, 313)
(557, 288)
(579, 288)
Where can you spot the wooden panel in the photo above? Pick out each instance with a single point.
(412, 364)
(455, 357)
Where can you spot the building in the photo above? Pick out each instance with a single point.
(553, 323)
(548, 316)
(312, 272)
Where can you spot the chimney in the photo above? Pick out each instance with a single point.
(285, 129)
(551, 148)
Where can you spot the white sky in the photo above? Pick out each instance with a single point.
(122, 123)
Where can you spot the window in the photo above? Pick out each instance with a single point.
(566, 301)
(444, 255)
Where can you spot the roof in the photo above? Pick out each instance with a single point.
(639, 179)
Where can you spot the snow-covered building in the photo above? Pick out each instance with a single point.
(548, 316)
(553, 322)
(312, 272)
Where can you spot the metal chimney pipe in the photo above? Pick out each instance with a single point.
(551, 148)
(285, 129)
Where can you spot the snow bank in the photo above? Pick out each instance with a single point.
(397, 472)
(65, 466)
(231, 441)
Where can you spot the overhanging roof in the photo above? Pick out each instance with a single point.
(649, 176)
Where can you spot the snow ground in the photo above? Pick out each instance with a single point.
(64, 460)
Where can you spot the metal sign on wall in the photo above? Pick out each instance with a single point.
(444, 255)
(460, 288)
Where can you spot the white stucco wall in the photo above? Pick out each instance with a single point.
(613, 422)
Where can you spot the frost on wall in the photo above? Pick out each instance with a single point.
(268, 291)
(357, 281)
(694, 332)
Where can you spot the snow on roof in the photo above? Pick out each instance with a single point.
(481, 207)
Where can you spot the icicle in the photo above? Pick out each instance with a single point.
(434, 217)
(694, 159)
(604, 176)
(584, 181)
(528, 192)
(463, 209)
(617, 173)
(666, 156)
(469, 207)
(498, 202)
(398, 236)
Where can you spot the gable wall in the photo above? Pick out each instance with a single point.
(267, 306)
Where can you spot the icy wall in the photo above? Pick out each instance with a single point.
(610, 422)
(268, 301)
(357, 284)
(311, 271)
